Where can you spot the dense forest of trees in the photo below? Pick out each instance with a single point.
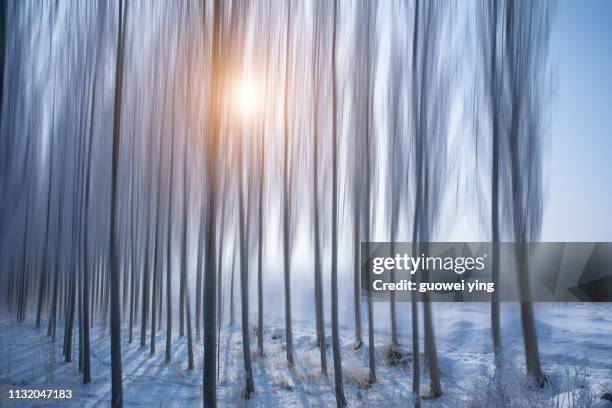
(149, 148)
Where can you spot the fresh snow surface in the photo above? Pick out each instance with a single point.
(575, 342)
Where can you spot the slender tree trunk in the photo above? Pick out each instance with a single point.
(155, 292)
(56, 272)
(181, 306)
(133, 215)
(286, 203)
(356, 266)
(145, 280)
(530, 338)
(201, 240)
(318, 279)
(169, 244)
(116, 371)
(339, 386)
(495, 312)
(392, 311)
(521, 39)
(220, 272)
(260, 311)
(155, 297)
(86, 260)
(416, 369)
(496, 134)
(231, 299)
(3, 35)
(210, 281)
(260, 231)
(424, 210)
(244, 279)
(80, 314)
(71, 309)
(368, 182)
(184, 275)
(44, 271)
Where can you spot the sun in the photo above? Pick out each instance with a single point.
(246, 97)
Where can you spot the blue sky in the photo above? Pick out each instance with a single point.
(578, 205)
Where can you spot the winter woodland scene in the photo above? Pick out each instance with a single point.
(185, 186)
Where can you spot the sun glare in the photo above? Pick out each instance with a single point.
(246, 97)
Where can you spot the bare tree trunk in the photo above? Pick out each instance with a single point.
(491, 17)
(87, 262)
(286, 201)
(184, 276)
(423, 210)
(70, 320)
(56, 272)
(156, 284)
(260, 311)
(339, 386)
(3, 20)
(260, 232)
(169, 242)
(416, 366)
(155, 298)
(368, 192)
(231, 299)
(530, 338)
(201, 239)
(210, 281)
(244, 278)
(44, 271)
(116, 375)
(356, 266)
(318, 279)
(220, 273)
(526, 43)
(145, 280)
(133, 215)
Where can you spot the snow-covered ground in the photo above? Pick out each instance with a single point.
(575, 344)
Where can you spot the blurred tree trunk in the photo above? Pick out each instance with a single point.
(244, 275)
(145, 271)
(356, 265)
(3, 35)
(86, 260)
(231, 288)
(286, 200)
(169, 234)
(133, 216)
(527, 36)
(430, 105)
(184, 276)
(157, 266)
(198, 290)
(210, 281)
(318, 279)
(339, 386)
(261, 178)
(260, 311)
(490, 18)
(416, 365)
(58, 245)
(224, 195)
(368, 181)
(116, 380)
(44, 270)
